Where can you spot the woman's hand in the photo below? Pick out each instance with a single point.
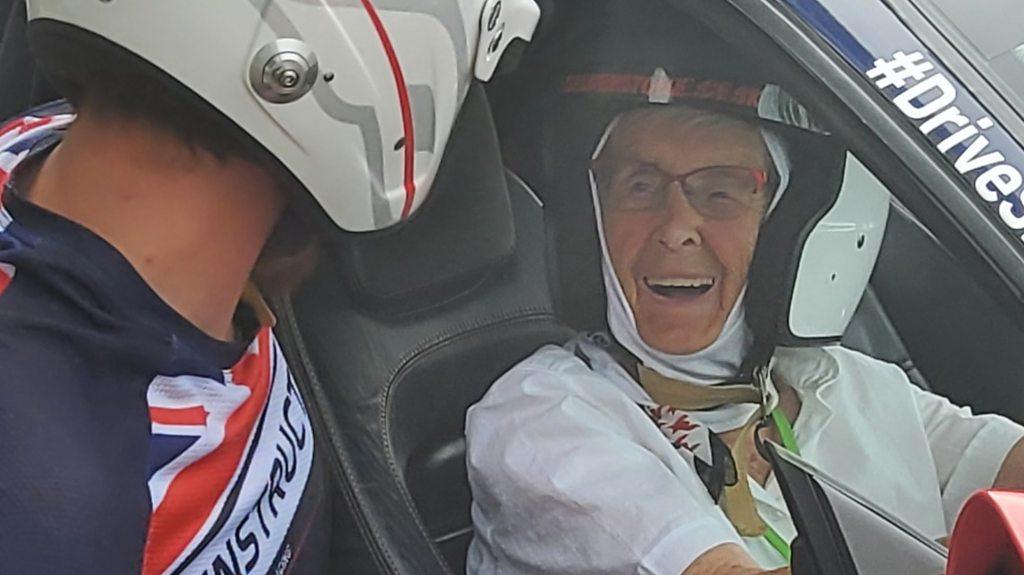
(729, 559)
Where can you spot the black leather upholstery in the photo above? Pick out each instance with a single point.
(20, 86)
(872, 332)
(393, 373)
(457, 238)
(963, 339)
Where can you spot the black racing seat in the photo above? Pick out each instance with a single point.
(401, 331)
(21, 87)
(872, 332)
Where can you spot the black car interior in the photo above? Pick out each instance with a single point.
(398, 332)
(418, 321)
(20, 86)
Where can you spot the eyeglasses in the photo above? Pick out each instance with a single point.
(715, 192)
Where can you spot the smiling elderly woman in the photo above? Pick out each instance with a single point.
(680, 283)
(579, 465)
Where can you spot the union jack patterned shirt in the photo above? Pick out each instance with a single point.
(130, 441)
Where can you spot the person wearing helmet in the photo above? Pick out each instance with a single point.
(623, 454)
(149, 420)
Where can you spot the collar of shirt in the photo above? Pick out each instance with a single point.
(809, 371)
(111, 282)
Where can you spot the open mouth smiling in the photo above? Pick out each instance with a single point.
(680, 288)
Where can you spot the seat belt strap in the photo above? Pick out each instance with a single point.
(693, 397)
(737, 501)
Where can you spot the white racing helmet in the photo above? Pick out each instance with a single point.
(355, 98)
(835, 219)
(817, 248)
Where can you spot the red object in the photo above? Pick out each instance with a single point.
(988, 538)
(403, 100)
(6, 276)
(197, 492)
(187, 416)
(682, 88)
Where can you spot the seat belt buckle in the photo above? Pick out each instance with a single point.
(762, 380)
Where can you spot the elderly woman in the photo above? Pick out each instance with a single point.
(581, 460)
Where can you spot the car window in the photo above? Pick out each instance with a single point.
(990, 33)
(925, 311)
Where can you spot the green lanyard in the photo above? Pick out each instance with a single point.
(785, 431)
(776, 541)
(789, 442)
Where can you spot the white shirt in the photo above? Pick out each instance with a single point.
(570, 475)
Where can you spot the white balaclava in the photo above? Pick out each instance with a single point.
(719, 361)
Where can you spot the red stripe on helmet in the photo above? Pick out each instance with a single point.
(403, 101)
(681, 88)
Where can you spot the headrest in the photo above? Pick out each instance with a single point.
(462, 232)
(23, 87)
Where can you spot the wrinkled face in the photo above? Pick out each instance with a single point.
(681, 247)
